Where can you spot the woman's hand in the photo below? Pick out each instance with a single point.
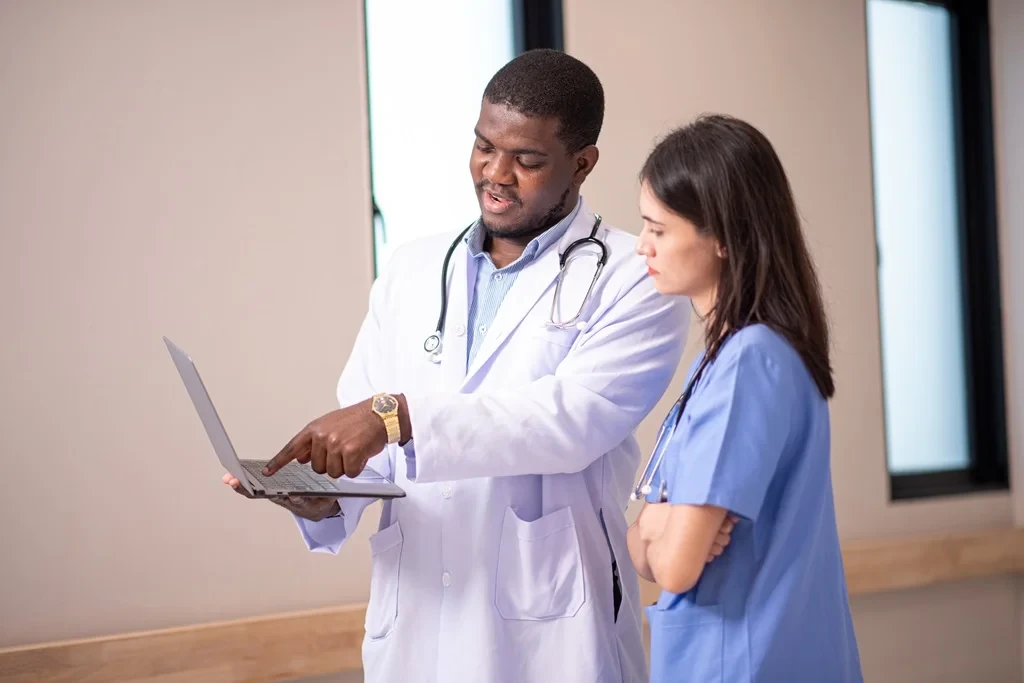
(723, 538)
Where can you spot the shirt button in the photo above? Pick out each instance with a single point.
(460, 330)
(497, 276)
(446, 579)
(446, 491)
(483, 329)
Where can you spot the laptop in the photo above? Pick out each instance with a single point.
(294, 479)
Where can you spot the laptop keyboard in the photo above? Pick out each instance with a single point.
(291, 477)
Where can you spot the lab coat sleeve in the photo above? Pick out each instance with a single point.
(560, 423)
(737, 428)
(359, 380)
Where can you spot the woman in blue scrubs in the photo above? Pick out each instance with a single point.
(749, 437)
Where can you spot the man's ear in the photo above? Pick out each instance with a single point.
(586, 160)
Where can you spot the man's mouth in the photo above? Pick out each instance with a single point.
(496, 203)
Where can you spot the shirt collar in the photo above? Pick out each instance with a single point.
(474, 239)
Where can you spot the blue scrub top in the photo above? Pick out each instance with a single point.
(754, 439)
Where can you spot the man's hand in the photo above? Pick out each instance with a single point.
(312, 508)
(340, 442)
(654, 516)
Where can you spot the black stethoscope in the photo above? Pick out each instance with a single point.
(433, 343)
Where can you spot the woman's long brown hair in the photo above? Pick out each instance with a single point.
(723, 175)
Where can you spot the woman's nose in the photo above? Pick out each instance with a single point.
(642, 248)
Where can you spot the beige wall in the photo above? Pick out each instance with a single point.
(188, 168)
(1008, 93)
(798, 70)
(199, 170)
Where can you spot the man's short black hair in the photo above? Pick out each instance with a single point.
(551, 84)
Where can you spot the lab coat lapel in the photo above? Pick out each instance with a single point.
(531, 284)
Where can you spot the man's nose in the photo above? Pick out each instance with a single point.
(499, 170)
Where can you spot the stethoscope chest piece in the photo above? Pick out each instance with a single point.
(432, 343)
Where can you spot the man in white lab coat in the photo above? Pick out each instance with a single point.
(516, 450)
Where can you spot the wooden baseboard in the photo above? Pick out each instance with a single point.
(298, 644)
(274, 648)
(874, 566)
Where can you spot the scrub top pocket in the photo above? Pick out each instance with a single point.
(687, 644)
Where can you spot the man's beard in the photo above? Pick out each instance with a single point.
(529, 227)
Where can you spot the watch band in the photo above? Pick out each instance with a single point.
(393, 427)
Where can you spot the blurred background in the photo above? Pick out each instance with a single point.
(233, 174)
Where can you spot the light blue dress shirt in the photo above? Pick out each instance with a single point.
(489, 290)
(754, 439)
(492, 284)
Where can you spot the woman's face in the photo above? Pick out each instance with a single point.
(681, 260)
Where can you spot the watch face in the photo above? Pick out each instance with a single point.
(384, 404)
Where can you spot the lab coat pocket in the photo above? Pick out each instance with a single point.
(540, 570)
(386, 553)
(687, 640)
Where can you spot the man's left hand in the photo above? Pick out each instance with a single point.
(338, 443)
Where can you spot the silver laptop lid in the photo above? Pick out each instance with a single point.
(208, 414)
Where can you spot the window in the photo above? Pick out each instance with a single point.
(938, 275)
(427, 68)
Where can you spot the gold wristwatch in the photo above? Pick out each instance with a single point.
(386, 406)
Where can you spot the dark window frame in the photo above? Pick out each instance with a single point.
(538, 24)
(987, 467)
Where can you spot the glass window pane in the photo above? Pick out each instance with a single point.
(916, 214)
(428, 64)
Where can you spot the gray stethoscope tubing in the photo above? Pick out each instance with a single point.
(644, 486)
(433, 343)
(566, 257)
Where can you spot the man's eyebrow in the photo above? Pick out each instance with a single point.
(521, 151)
(480, 135)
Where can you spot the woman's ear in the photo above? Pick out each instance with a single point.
(721, 251)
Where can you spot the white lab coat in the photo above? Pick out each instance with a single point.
(496, 566)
